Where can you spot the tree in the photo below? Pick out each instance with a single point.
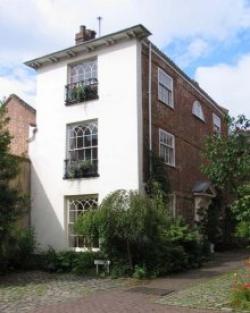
(227, 159)
(241, 209)
(11, 203)
(227, 164)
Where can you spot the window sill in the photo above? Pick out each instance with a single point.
(75, 102)
(198, 118)
(166, 104)
(82, 177)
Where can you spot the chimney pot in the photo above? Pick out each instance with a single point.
(84, 35)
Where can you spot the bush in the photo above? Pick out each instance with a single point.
(137, 232)
(68, 261)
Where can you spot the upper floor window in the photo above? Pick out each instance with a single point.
(165, 88)
(216, 124)
(82, 150)
(86, 71)
(197, 110)
(76, 206)
(83, 82)
(167, 147)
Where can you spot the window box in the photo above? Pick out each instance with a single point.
(80, 169)
(81, 91)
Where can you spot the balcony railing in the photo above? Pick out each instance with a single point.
(81, 91)
(80, 169)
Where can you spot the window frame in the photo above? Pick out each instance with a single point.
(200, 113)
(169, 90)
(172, 210)
(78, 63)
(168, 146)
(216, 127)
(69, 151)
(69, 200)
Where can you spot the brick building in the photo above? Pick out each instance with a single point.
(102, 105)
(22, 116)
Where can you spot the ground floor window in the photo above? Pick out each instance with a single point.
(76, 206)
(172, 204)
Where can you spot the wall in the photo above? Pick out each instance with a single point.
(21, 117)
(119, 136)
(189, 131)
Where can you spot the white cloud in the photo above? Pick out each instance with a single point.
(32, 28)
(228, 84)
(197, 48)
(20, 82)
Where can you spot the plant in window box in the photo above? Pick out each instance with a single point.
(84, 165)
(80, 92)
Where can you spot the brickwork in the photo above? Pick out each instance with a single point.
(21, 116)
(189, 131)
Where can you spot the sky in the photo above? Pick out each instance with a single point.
(208, 39)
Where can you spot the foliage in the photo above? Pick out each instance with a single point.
(12, 204)
(158, 179)
(240, 295)
(241, 209)
(136, 231)
(69, 261)
(227, 158)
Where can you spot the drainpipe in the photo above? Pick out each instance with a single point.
(150, 105)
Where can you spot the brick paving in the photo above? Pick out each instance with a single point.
(37, 292)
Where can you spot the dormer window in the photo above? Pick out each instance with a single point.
(82, 82)
(198, 111)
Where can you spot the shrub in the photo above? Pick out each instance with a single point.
(68, 261)
(137, 232)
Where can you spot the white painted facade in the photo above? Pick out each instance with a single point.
(118, 112)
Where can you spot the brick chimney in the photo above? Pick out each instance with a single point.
(84, 35)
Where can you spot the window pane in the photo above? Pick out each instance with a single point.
(79, 142)
(94, 140)
(87, 154)
(87, 141)
(94, 154)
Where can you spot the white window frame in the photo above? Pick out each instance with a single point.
(69, 200)
(86, 71)
(169, 88)
(197, 110)
(91, 126)
(167, 146)
(172, 210)
(216, 124)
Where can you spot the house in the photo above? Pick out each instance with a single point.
(102, 105)
(22, 119)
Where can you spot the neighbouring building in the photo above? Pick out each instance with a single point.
(22, 116)
(102, 105)
(22, 119)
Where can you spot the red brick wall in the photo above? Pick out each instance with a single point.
(21, 117)
(188, 130)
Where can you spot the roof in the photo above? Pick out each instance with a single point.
(203, 188)
(137, 31)
(21, 101)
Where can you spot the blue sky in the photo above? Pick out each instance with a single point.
(209, 40)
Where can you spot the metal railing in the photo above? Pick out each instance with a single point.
(80, 169)
(81, 91)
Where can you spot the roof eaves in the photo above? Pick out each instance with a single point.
(137, 31)
(195, 85)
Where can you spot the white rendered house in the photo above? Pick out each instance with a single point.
(88, 140)
(102, 106)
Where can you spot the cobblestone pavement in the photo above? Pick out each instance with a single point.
(26, 292)
(38, 292)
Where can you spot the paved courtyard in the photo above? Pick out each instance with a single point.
(38, 292)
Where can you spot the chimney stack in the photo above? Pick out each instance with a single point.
(84, 35)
